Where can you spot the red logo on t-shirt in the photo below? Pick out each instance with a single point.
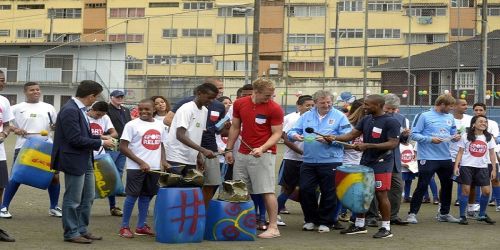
(151, 139)
(478, 148)
(96, 129)
(406, 156)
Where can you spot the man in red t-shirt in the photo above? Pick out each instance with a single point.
(260, 121)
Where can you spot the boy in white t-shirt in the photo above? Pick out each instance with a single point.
(141, 143)
(100, 124)
(407, 159)
(184, 136)
(471, 166)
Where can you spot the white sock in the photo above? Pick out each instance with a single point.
(386, 225)
(360, 222)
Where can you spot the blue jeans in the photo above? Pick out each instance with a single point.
(312, 176)
(77, 203)
(119, 160)
(444, 170)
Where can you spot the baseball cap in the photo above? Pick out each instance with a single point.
(116, 93)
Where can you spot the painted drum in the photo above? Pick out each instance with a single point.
(230, 221)
(107, 178)
(355, 187)
(32, 165)
(179, 215)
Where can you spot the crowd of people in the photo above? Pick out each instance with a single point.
(237, 139)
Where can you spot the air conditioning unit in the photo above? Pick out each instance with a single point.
(273, 66)
(273, 72)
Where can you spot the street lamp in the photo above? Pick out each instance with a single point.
(245, 10)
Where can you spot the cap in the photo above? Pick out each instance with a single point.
(116, 93)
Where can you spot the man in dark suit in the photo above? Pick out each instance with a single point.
(119, 116)
(73, 154)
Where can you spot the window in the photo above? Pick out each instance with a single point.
(234, 39)
(164, 5)
(372, 61)
(48, 99)
(306, 66)
(350, 6)
(384, 33)
(426, 38)
(134, 64)
(169, 33)
(95, 5)
(306, 11)
(306, 39)
(65, 13)
(196, 32)
(131, 38)
(5, 7)
(10, 63)
(196, 59)
(493, 11)
(347, 33)
(347, 61)
(29, 33)
(426, 11)
(233, 65)
(162, 59)
(126, 12)
(4, 32)
(64, 37)
(384, 6)
(462, 32)
(462, 3)
(198, 5)
(465, 80)
(31, 6)
(233, 12)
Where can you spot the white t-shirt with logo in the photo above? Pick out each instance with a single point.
(145, 142)
(33, 118)
(407, 155)
(462, 126)
(288, 122)
(194, 120)
(161, 118)
(476, 153)
(5, 116)
(99, 127)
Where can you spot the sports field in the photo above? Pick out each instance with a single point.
(33, 228)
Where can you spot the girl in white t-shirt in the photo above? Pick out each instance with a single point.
(471, 166)
(407, 160)
(141, 143)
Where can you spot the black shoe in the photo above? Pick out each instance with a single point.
(5, 237)
(371, 222)
(382, 233)
(399, 222)
(457, 203)
(486, 219)
(463, 221)
(353, 229)
(338, 226)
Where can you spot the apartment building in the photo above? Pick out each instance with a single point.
(170, 40)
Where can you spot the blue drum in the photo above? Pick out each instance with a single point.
(107, 178)
(179, 215)
(230, 221)
(355, 187)
(32, 165)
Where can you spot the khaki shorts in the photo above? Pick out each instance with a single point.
(212, 172)
(257, 173)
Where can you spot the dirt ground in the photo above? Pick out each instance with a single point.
(34, 229)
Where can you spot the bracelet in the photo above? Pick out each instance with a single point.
(228, 149)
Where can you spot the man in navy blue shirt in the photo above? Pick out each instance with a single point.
(216, 111)
(380, 137)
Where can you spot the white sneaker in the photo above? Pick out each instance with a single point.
(476, 207)
(412, 218)
(323, 229)
(280, 221)
(497, 209)
(448, 218)
(56, 212)
(308, 226)
(4, 213)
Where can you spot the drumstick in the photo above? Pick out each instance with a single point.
(157, 172)
(311, 131)
(246, 144)
(50, 119)
(42, 133)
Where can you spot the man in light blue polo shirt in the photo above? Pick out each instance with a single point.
(433, 130)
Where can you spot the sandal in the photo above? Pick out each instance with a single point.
(269, 234)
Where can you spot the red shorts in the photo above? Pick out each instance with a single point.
(383, 181)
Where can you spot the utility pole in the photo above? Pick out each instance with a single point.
(255, 40)
(484, 54)
(408, 78)
(51, 32)
(246, 45)
(336, 51)
(365, 50)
